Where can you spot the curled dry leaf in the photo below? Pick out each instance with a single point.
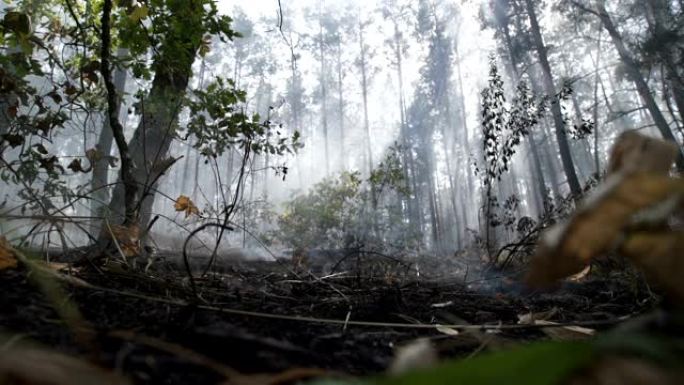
(184, 203)
(7, 258)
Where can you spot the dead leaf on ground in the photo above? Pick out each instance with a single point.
(43, 367)
(185, 204)
(7, 258)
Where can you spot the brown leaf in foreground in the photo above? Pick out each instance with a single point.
(598, 226)
(626, 371)
(7, 258)
(661, 256)
(634, 152)
(35, 366)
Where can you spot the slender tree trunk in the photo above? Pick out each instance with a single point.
(550, 89)
(469, 195)
(535, 169)
(100, 177)
(366, 124)
(595, 115)
(324, 89)
(405, 151)
(128, 188)
(340, 106)
(658, 14)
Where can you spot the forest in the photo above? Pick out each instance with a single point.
(346, 192)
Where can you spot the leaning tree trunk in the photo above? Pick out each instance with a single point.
(642, 87)
(658, 14)
(550, 89)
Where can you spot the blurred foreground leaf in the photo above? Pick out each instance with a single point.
(544, 363)
(34, 366)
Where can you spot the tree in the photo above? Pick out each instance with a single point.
(633, 71)
(550, 89)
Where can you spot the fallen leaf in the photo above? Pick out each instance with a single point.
(7, 258)
(184, 203)
(447, 331)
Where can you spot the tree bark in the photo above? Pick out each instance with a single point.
(642, 87)
(550, 88)
(100, 179)
(128, 187)
(152, 138)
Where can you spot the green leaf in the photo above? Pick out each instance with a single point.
(546, 363)
(139, 13)
(17, 22)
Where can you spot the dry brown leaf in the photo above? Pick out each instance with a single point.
(661, 256)
(598, 226)
(184, 203)
(35, 366)
(634, 152)
(7, 258)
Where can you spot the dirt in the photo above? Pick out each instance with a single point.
(151, 327)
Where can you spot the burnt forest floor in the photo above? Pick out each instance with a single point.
(263, 318)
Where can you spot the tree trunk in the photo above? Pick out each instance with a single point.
(658, 13)
(100, 179)
(152, 138)
(550, 89)
(324, 90)
(642, 87)
(340, 106)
